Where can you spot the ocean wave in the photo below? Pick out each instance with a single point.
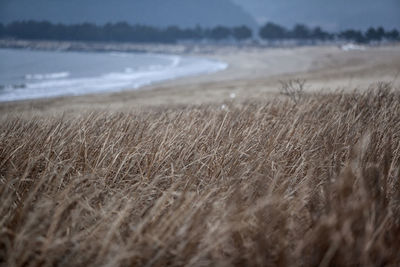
(120, 54)
(61, 84)
(47, 76)
(12, 87)
(175, 61)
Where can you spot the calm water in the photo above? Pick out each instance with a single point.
(26, 74)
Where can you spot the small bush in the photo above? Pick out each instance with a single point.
(294, 89)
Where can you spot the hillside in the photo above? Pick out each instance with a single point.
(186, 13)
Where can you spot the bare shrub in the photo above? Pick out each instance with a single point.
(294, 89)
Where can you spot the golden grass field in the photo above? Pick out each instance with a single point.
(308, 179)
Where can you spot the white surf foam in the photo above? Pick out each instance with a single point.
(351, 47)
(47, 76)
(61, 84)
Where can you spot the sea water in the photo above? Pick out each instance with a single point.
(27, 74)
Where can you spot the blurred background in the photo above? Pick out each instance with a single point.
(137, 26)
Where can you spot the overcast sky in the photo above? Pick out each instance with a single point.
(185, 13)
(332, 14)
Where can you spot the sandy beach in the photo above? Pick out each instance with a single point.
(253, 73)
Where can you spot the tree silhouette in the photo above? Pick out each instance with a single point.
(242, 33)
(220, 33)
(273, 31)
(380, 33)
(392, 35)
(373, 34)
(353, 35)
(190, 34)
(2, 30)
(319, 34)
(198, 33)
(300, 31)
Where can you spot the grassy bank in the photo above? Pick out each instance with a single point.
(308, 183)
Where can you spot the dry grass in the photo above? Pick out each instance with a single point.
(261, 184)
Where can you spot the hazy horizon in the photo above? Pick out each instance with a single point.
(184, 13)
(331, 15)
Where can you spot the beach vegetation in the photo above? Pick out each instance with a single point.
(262, 183)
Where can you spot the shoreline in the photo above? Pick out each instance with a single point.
(77, 46)
(253, 73)
(152, 48)
(121, 75)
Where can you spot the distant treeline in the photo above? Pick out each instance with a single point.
(272, 31)
(123, 32)
(118, 32)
